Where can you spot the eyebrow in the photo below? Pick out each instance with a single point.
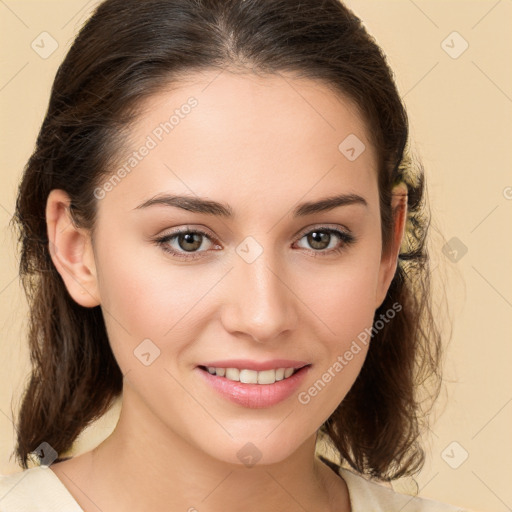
(208, 207)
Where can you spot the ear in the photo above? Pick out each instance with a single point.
(389, 260)
(71, 250)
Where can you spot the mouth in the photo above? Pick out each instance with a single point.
(254, 388)
(247, 376)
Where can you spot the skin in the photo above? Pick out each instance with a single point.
(261, 145)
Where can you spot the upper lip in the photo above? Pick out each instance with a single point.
(248, 364)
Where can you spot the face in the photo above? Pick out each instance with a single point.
(263, 280)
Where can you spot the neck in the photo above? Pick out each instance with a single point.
(143, 465)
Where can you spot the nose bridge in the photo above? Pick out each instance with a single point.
(260, 303)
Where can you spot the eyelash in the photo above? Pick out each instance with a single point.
(346, 239)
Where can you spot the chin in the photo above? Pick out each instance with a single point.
(273, 447)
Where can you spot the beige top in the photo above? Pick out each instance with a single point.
(38, 489)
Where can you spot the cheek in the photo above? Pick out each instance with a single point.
(346, 309)
(344, 302)
(143, 299)
(342, 296)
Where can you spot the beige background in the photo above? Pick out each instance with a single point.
(461, 116)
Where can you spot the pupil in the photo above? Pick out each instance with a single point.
(189, 239)
(317, 242)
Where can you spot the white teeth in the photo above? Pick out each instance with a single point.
(252, 376)
(249, 376)
(266, 377)
(232, 374)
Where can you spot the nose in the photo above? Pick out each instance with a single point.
(260, 304)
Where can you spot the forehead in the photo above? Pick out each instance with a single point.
(217, 133)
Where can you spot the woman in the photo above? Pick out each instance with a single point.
(221, 222)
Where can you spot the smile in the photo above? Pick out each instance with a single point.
(258, 387)
(247, 376)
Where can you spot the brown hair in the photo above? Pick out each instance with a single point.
(131, 49)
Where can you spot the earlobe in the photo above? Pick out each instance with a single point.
(71, 250)
(389, 260)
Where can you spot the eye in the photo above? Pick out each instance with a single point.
(322, 238)
(186, 242)
(183, 241)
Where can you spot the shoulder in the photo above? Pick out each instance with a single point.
(369, 496)
(37, 489)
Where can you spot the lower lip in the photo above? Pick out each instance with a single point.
(255, 396)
